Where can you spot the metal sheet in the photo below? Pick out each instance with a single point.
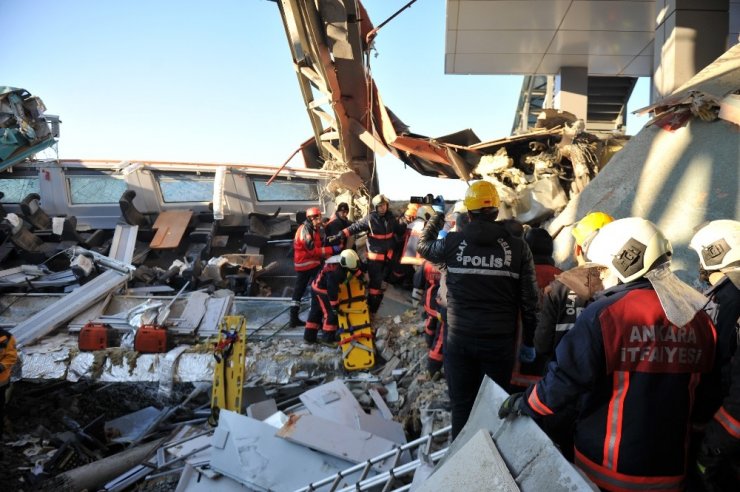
(45, 321)
(326, 436)
(253, 456)
(334, 402)
(124, 243)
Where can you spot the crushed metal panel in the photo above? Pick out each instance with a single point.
(124, 242)
(326, 436)
(216, 309)
(477, 466)
(251, 454)
(335, 402)
(527, 451)
(131, 427)
(192, 480)
(382, 427)
(193, 313)
(46, 320)
(262, 409)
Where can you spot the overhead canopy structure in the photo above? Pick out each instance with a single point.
(536, 37)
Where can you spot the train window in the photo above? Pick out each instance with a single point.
(286, 191)
(95, 188)
(185, 187)
(16, 189)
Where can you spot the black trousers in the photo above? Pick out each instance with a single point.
(302, 279)
(466, 361)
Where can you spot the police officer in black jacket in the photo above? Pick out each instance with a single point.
(490, 281)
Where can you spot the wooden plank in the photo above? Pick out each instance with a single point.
(170, 226)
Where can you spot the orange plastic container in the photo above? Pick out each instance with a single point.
(93, 336)
(151, 339)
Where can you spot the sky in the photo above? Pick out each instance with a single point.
(195, 81)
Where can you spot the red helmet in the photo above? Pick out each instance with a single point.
(313, 212)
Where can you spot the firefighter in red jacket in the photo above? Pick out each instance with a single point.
(308, 254)
(8, 358)
(382, 229)
(325, 301)
(635, 367)
(718, 247)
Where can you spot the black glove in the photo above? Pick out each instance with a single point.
(513, 405)
(333, 239)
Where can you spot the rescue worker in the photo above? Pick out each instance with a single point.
(530, 368)
(490, 281)
(325, 302)
(400, 273)
(635, 366)
(8, 358)
(566, 297)
(308, 254)
(338, 222)
(718, 247)
(382, 228)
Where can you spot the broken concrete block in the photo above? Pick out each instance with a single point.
(477, 466)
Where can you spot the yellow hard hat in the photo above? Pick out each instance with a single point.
(411, 210)
(587, 226)
(481, 194)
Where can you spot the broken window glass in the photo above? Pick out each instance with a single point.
(16, 189)
(185, 187)
(284, 190)
(99, 188)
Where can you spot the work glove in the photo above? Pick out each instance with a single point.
(527, 354)
(438, 204)
(333, 239)
(512, 406)
(708, 464)
(338, 249)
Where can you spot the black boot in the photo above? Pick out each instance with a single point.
(294, 319)
(310, 334)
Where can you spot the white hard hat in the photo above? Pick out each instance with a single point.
(717, 244)
(629, 247)
(348, 259)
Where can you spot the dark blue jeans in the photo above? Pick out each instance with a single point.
(466, 361)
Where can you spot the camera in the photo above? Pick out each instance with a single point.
(427, 199)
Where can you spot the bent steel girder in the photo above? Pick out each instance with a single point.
(326, 39)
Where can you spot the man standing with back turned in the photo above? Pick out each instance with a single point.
(490, 280)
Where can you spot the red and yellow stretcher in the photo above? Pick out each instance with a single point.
(355, 331)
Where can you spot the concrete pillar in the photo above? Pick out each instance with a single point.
(571, 91)
(689, 35)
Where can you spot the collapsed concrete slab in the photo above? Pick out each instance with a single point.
(477, 466)
(530, 456)
(677, 178)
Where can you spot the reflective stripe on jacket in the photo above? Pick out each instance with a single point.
(635, 376)
(308, 252)
(381, 232)
(490, 279)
